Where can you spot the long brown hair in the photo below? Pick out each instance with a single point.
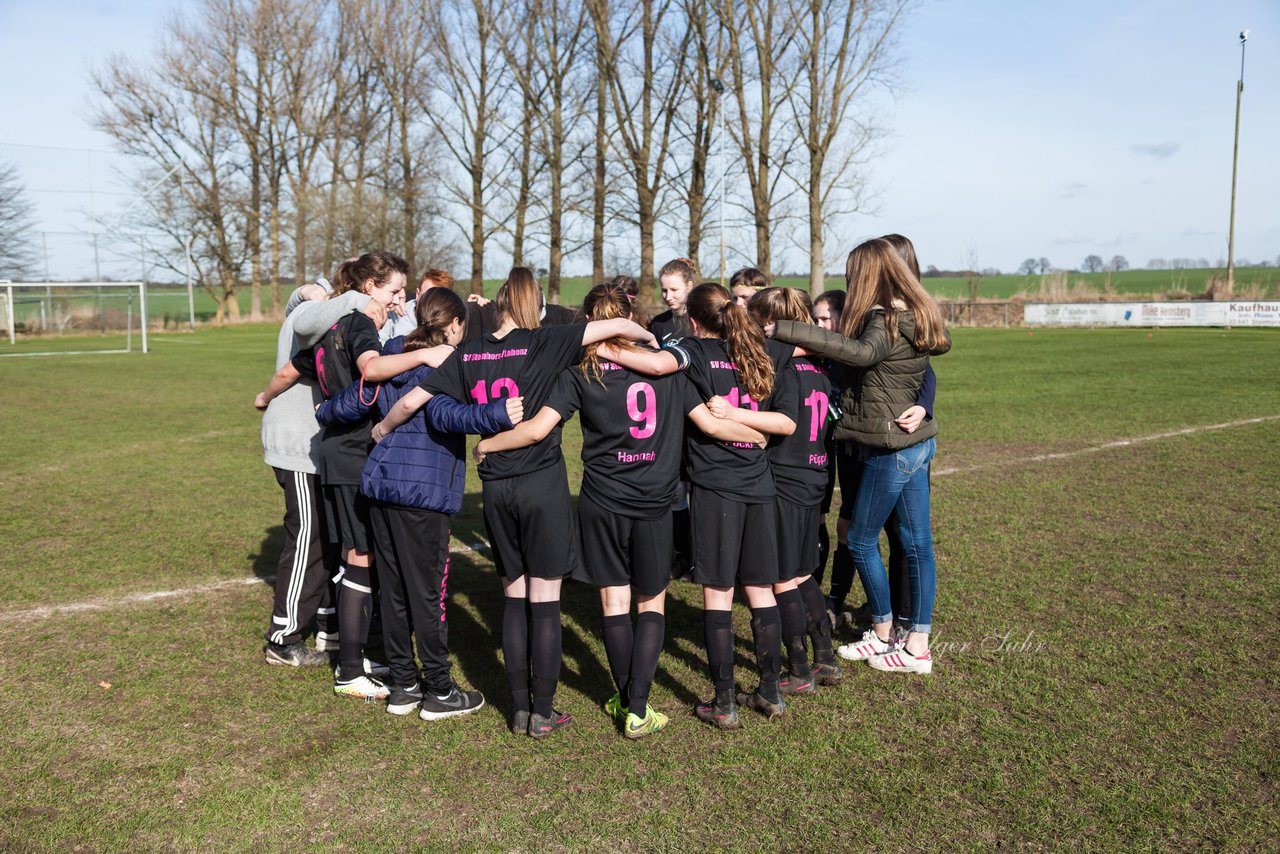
(876, 276)
(773, 304)
(715, 312)
(604, 302)
(378, 266)
(906, 249)
(435, 310)
(520, 299)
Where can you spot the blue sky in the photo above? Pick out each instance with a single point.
(1022, 128)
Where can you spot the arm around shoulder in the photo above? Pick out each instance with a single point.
(867, 349)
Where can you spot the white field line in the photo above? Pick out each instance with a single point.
(103, 603)
(1106, 446)
(108, 602)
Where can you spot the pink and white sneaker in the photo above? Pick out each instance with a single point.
(901, 661)
(869, 646)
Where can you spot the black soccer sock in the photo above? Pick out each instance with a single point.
(791, 615)
(618, 641)
(650, 628)
(544, 646)
(816, 622)
(842, 573)
(355, 604)
(515, 650)
(718, 627)
(824, 552)
(766, 630)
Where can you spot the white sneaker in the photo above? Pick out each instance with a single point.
(901, 661)
(364, 687)
(869, 646)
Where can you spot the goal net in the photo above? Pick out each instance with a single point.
(73, 318)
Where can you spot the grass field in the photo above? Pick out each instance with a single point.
(1105, 623)
(172, 302)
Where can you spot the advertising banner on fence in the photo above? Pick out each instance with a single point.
(1188, 313)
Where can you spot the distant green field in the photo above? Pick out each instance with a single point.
(168, 301)
(1108, 573)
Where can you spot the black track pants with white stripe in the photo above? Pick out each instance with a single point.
(301, 575)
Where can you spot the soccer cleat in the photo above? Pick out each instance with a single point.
(404, 700)
(759, 702)
(721, 711)
(519, 723)
(652, 721)
(789, 684)
(375, 669)
(827, 674)
(540, 727)
(456, 702)
(364, 687)
(615, 710)
(901, 661)
(869, 646)
(293, 655)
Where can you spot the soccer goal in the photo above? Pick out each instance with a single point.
(74, 318)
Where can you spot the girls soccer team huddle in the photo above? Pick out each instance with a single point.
(748, 406)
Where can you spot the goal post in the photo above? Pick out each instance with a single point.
(47, 311)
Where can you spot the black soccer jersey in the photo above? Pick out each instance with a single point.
(669, 326)
(632, 435)
(800, 460)
(735, 470)
(332, 362)
(526, 363)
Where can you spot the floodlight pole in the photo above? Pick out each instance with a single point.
(1235, 154)
(718, 86)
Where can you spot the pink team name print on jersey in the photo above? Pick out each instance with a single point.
(723, 366)
(493, 357)
(805, 367)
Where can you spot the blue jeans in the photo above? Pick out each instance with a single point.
(895, 480)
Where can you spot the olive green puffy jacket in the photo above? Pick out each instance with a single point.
(883, 382)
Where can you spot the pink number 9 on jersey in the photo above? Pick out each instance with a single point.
(645, 412)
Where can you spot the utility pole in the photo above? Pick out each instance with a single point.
(719, 90)
(1235, 154)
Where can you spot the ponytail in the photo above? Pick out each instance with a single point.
(604, 302)
(716, 312)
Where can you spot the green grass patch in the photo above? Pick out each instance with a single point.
(1103, 627)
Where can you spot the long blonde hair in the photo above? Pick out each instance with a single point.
(876, 276)
(714, 310)
(520, 299)
(773, 304)
(604, 302)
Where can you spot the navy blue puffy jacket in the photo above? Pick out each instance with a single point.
(422, 463)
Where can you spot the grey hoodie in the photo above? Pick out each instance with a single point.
(290, 432)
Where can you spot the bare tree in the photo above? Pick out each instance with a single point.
(845, 48)
(174, 114)
(698, 128)
(16, 225)
(1028, 267)
(470, 81)
(764, 70)
(1119, 264)
(550, 36)
(1045, 266)
(1091, 264)
(644, 49)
